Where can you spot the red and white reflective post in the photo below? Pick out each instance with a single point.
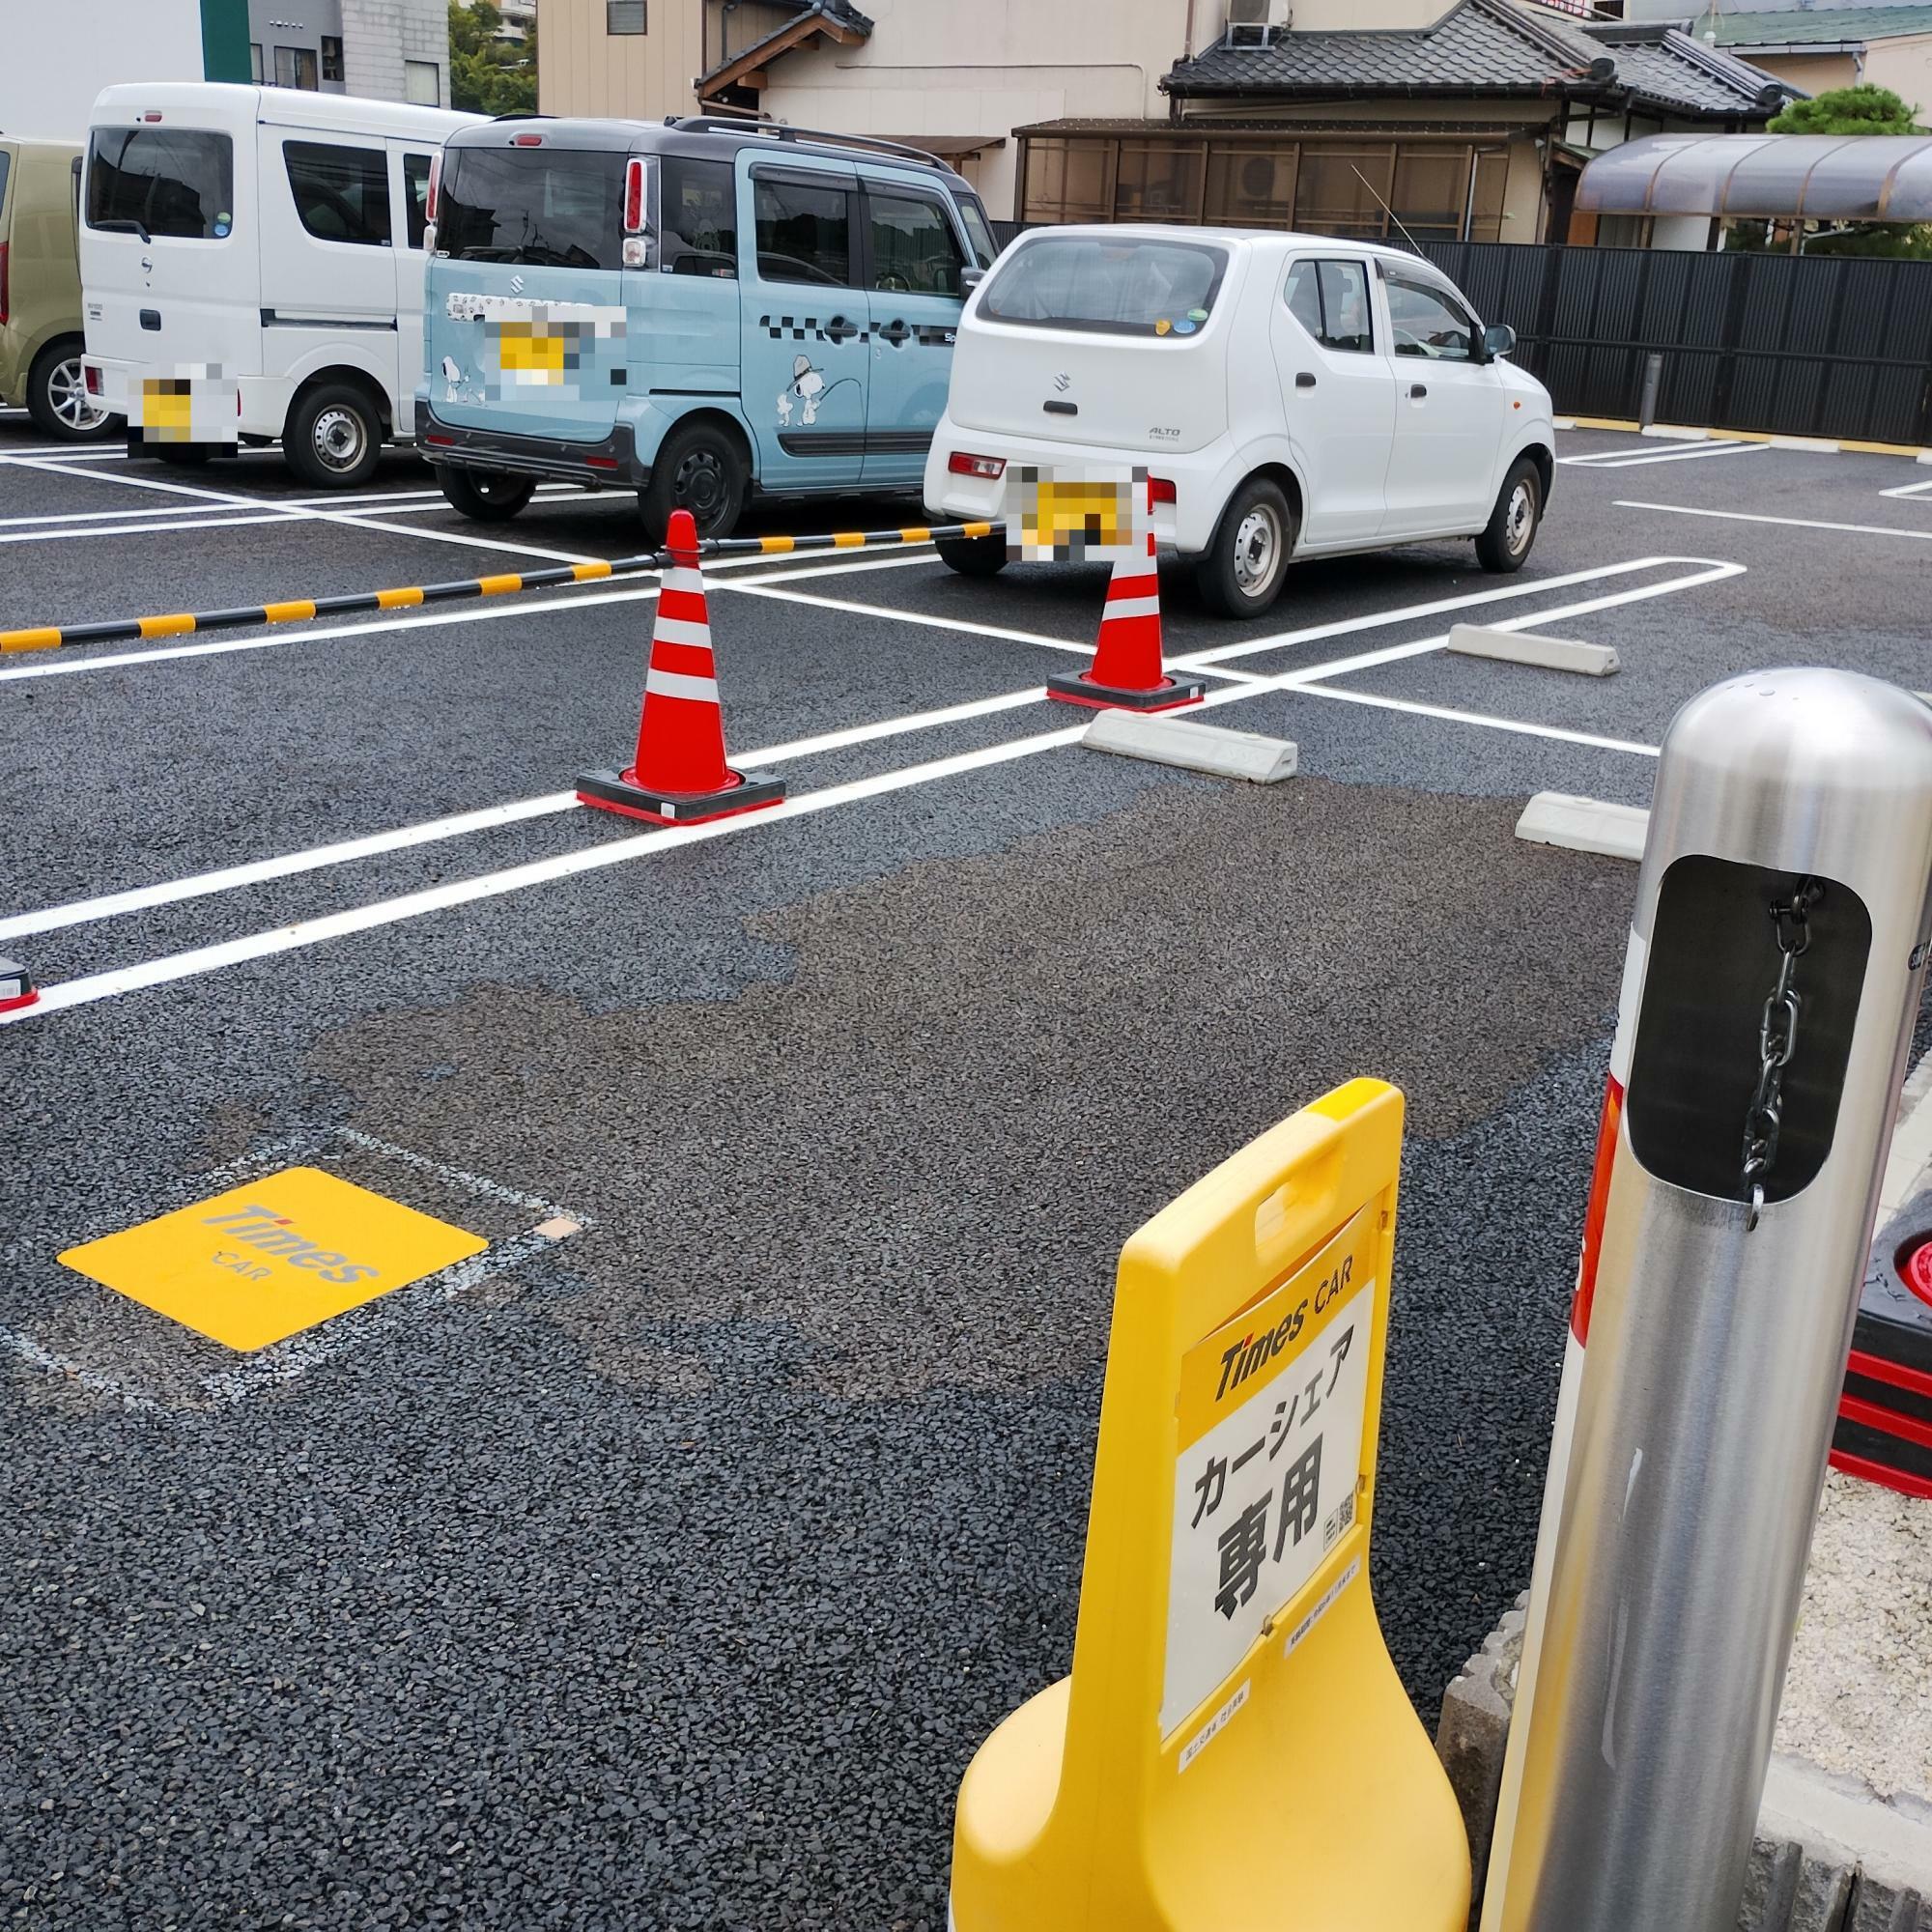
(1776, 954)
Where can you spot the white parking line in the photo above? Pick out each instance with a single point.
(196, 517)
(303, 933)
(346, 502)
(1909, 489)
(61, 665)
(1206, 660)
(887, 615)
(229, 500)
(1788, 522)
(1452, 716)
(1622, 459)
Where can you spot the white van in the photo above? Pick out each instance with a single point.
(251, 267)
(1290, 395)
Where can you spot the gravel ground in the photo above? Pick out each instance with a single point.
(669, 1577)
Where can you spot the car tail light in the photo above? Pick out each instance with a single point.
(435, 193)
(1161, 490)
(634, 196)
(442, 442)
(3, 281)
(150, 118)
(526, 140)
(90, 375)
(962, 464)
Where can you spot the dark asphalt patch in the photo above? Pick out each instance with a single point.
(676, 1583)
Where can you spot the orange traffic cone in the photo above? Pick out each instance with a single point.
(1126, 669)
(680, 776)
(17, 986)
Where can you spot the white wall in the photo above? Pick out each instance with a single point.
(932, 69)
(55, 58)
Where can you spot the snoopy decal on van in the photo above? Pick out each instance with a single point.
(808, 386)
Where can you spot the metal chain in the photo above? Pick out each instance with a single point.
(1776, 1042)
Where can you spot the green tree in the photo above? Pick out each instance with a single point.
(488, 76)
(1848, 110)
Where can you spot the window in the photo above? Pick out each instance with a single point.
(1130, 287)
(1341, 189)
(342, 194)
(255, 62)
(546, 207)
(1070, 181)
(1330, 300)
(624, 16)
(331, 57)
(171, 181)
(422, 83)
(1250, 185)
(6, 160)
(805, 232)
(915, 251)
(1158, 181)
(698, 216)
(1428, 321)
(979, 231)
(294, 66)
(415, 196)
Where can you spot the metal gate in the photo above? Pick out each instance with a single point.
(1809, 345)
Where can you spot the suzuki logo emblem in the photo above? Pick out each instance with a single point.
(516, 283)
(1062, 381)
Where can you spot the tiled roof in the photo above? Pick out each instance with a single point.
(1486, 47)
(1829, 25)
(842, 12)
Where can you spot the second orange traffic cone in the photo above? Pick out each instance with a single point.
(1126, 669)
(680, 776)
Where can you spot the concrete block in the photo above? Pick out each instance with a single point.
(1527, 647)
(1584, 824)
(1212, 749)
(1473, 1731)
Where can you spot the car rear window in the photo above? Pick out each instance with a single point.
(6, 162)
(178, 181)
(1132, 286)
(547, 207)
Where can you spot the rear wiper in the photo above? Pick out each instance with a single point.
(127, 225)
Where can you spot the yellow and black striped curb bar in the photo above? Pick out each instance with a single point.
(299, 610)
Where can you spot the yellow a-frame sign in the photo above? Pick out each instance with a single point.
(1233, 1751)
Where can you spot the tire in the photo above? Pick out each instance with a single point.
(57, 397)
(1505, 544)
(701, 468)
(1241, 572)
(484, 495)
(333, 437)
(974, 557)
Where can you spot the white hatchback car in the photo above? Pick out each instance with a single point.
(1292, 395)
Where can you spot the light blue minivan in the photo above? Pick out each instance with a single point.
(700, 311)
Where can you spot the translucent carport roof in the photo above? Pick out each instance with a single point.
(1819, 177)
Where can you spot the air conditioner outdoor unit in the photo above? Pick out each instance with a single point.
(1256, 23)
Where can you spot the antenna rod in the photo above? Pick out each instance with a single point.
(1384, 206)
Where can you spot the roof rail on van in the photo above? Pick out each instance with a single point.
(713, 123)
(523, 114)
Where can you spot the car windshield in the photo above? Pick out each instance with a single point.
(1130, 286)
(547, 207)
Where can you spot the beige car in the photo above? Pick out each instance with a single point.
(40, 338)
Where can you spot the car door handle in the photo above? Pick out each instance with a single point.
(1417, 390)
(839, 330)
(1304, 381)
(1061, 409)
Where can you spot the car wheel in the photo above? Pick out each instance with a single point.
(1241, 572)
(484, 495)
(57, 397)
(1505, 544)
(701, 469)
(333, 438)
(974, 557)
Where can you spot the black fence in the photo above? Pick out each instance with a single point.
(1810, 345)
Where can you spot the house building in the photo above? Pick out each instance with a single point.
(381, 49)
(1817, 48)
(1466, 118)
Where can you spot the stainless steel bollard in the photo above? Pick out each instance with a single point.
(1653, 383)
(1775, 957)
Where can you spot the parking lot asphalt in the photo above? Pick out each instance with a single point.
(669, 1574)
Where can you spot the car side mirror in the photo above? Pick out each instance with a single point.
(1499, 339)
(970, 279)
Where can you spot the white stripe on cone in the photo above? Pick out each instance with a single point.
(682, 630)
(681, 684)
